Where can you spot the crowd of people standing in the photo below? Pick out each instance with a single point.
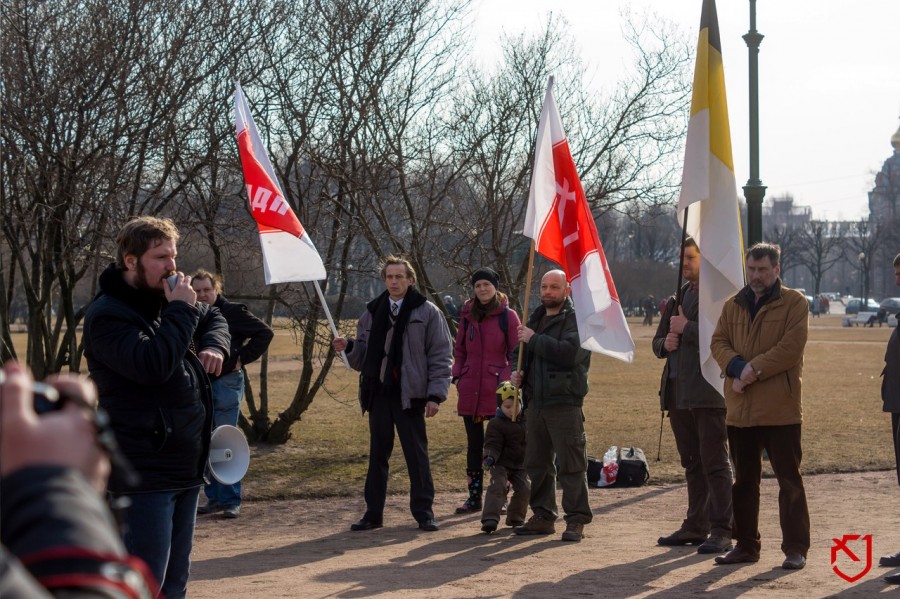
(165, 352)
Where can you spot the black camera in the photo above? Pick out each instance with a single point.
(47, 398)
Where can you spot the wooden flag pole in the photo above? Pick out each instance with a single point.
(330, 320)
(524, 319)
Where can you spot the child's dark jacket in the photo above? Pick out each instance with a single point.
(505, 441)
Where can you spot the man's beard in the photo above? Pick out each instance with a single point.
(552, 304)
(142, 283)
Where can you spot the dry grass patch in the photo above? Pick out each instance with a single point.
(844, 427)
(842, 410)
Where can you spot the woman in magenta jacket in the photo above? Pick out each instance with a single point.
(485, 339)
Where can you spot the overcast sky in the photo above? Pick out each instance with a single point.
(829, 81)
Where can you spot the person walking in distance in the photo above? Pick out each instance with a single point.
(649, 306)
(697, 415)
(758, 343)
(403, 351)
(250, 337)
(485, 338)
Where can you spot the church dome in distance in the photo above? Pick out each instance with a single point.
(895, 139)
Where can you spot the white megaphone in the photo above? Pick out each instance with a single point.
(229, 454)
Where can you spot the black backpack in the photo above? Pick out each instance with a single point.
(633, 469)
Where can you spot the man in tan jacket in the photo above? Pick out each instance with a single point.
(759, 343)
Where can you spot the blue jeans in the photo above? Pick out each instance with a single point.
(160, 531)
(228, 393)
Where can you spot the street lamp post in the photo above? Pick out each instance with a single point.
(754, 190)
(863, 301)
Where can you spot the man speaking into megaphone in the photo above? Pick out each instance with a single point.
(149, 346)
(250, 338)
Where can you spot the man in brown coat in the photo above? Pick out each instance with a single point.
(758, 343)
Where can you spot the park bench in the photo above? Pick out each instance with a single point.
(861, 318)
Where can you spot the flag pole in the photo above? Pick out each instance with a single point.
(330, 321)
(524, 319)
(662, 414)
(684, 221)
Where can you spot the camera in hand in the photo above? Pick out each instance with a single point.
(48, 399)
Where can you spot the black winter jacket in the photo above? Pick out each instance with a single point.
(890, 383)
(250, 337)
(157, 395)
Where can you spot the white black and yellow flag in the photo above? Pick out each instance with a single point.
(708, 187)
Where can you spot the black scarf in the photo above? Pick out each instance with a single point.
(380, 308)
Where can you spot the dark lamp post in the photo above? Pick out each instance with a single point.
(863, 300)
(754, 190)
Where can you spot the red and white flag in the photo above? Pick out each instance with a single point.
(560, 222)
(288, 252)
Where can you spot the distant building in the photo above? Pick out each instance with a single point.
(781, 212)
(884, 199)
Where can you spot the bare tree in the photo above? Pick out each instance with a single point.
(383, 140)
(351, 89)
(60, 126)
(863, 243)
(625, 145)
(104, 116)
(788, 238)
(820, 247)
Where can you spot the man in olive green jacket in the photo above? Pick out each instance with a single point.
(759, 343)
(554, 382)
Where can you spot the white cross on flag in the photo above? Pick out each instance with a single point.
(288, 252)
(560, 222)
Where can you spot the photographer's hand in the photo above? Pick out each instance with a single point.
(66, 437)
